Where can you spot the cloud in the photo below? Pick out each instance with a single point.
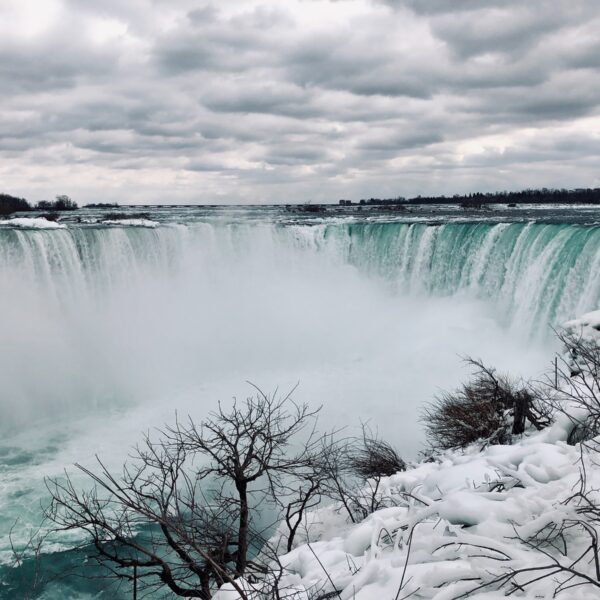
(260, 100)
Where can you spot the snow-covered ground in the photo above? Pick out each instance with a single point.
(485, 522)
(457, 527)
(587, 326)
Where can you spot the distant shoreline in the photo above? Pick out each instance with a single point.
(10, 205)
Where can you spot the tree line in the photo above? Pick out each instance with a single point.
(477, 199)
(11, 204)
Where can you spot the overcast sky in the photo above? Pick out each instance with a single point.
(171, 101)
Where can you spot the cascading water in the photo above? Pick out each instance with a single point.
(534, 274)
(90, 312)
(107, 330)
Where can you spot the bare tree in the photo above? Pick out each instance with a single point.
(180, 513)
(353, 469)
(308, 495)
(28, 554)
(574, 388)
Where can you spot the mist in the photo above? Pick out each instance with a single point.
(180, 319)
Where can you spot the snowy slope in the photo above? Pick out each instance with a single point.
(32, 223)
(454, 525)
(586, 326)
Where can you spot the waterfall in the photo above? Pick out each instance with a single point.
(534, 275)
(94, 315)
(106, 331)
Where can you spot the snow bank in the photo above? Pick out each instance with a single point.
(32, 223)
(452, 527)
(132, 222)
(587, 326)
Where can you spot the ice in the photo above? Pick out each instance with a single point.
(32, 223)
(588, 326)
(132, 223)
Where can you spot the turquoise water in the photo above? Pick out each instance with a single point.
(533, 274)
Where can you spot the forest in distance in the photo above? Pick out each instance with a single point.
(11, 204)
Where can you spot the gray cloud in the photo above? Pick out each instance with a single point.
(311, 99)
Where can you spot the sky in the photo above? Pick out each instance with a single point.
(266, 101)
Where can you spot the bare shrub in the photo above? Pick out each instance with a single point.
(574, 387)
(457, 419)
(371, 457)
(489, 407)
(353, 469)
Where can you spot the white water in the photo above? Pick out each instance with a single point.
(113, 316)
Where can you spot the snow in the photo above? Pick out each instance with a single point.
(132, 222)
(586, 326)
(465, 525)
(32, 223)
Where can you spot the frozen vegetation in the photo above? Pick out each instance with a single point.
(587, 327)
(476, 523)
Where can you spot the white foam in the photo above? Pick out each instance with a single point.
(132, 222)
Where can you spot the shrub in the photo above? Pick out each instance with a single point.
(574, 389)
(489, 407)
(351, 472)
(372, 457)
